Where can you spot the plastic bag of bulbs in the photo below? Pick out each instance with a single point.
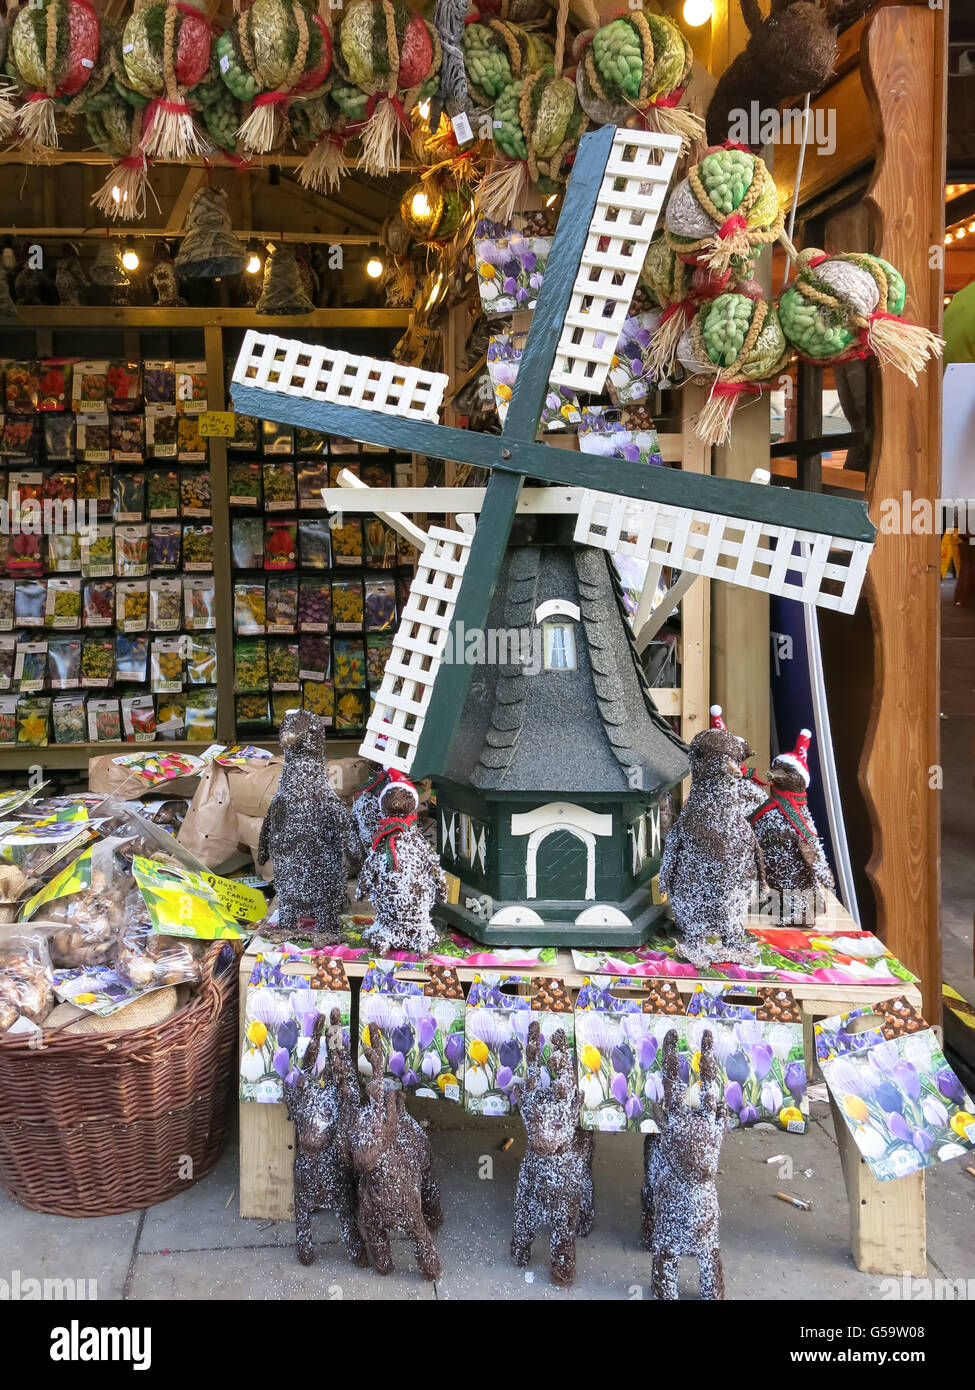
(26, 979)
(87, 925)
(147, 960)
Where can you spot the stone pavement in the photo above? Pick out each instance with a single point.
(197, 1246)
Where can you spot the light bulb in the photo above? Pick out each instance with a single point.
(253, 263)
(117, 195)
(420, 205)
(424, 109)
(697, 12)
(130, 257)
(374, 267)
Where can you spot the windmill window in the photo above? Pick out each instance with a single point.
(558, 646)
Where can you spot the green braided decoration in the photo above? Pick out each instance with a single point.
(237, 76)
(727, 176)
(508, 134)
(110, 126)
(724, 326)
(669, 54)
(556, 117)
(618, 52)
(28, 43)
(222, 116)
(350, 100)
(664, 275)
(498, 53)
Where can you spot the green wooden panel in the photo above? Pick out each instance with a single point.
(480, 579)
(809, 511)
(560, 866)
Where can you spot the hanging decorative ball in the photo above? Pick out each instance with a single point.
(165, 52)
(221, 112)
(679, 289)
(284, 290)
(431, 144)
(123, 194)
(638, 63)
(109, 124)
(845, 306)
(497, 53)
(273, 53)
(537, 124)
(393, 56)
(210, 249)
(725, 211)
(53, 51)
(8, 112)
(737, 343)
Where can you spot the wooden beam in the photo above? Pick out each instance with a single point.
(177, 216)
(904, 62)
(51, 232)
(129, 316)
(844, 104)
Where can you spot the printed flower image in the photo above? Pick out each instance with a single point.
(279, 1020)
(903, 1103)
(560, 410)
(630, 375)
(422, 1035)
(496, 1026)
(510, 268)
(618, 1060)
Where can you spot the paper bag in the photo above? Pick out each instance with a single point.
(209, 828)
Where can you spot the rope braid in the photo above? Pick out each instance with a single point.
(50, 47)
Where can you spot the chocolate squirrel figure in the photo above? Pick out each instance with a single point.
(796, 870)
(679, 1196)
(393, 1161)
(402, 876)
(324, 1178)
(305, 832)
(555, 1179)
(711, 857)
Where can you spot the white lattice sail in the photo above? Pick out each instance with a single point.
(396, 722)
(638, 172)
(810, 566)
(292, 368)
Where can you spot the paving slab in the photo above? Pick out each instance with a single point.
(270, 1273)
(35, 1246)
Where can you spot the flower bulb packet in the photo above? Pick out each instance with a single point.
(421, 1022)
(280, 1011)
(498, 1016)
(889, 1079)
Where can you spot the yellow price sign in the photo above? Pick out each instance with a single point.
(219, 424)
(245, 903)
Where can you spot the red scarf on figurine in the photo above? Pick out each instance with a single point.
(791, 805)
(385, 837)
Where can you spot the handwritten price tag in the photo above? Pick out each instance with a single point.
(217, 424)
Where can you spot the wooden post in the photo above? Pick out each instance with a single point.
(695, 609)
(887, 1219)
(903, 61)
(220, 520)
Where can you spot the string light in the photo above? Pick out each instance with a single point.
(420, 206)
(253, 257)
(424, 109)
(374, 267)
(130, 257)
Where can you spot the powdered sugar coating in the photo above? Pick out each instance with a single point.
(403, 894)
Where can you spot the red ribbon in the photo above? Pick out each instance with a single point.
(271, 98)
(236, 161)
(178, 108)
(679, 306)
(734, 223)
(739, 388)
(817, 260)
(735, 145)
(674, 99)
(388, 830)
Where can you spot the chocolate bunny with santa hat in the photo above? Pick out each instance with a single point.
(796, 870)
(402, 876)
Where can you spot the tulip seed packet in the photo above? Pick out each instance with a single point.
(422, 1027)
(280, 1013)
(759, 1050)
(496, 1033)
(888, 1077)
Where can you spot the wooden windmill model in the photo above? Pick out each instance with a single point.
(805, 546)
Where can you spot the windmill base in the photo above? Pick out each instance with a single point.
(555, 923)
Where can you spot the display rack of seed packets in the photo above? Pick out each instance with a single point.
(316, 596)
(106, 576)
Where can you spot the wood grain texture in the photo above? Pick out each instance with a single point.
(888, 1231)
(904, 53)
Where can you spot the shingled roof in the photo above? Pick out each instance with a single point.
(594, 728)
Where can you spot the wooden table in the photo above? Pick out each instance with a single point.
(887, 1220)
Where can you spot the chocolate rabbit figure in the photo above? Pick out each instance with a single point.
(393, 1160)
(305, 832)
(323, 1173)
(679, 1196)
(555, 1181)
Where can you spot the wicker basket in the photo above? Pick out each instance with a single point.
(99, 1124)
